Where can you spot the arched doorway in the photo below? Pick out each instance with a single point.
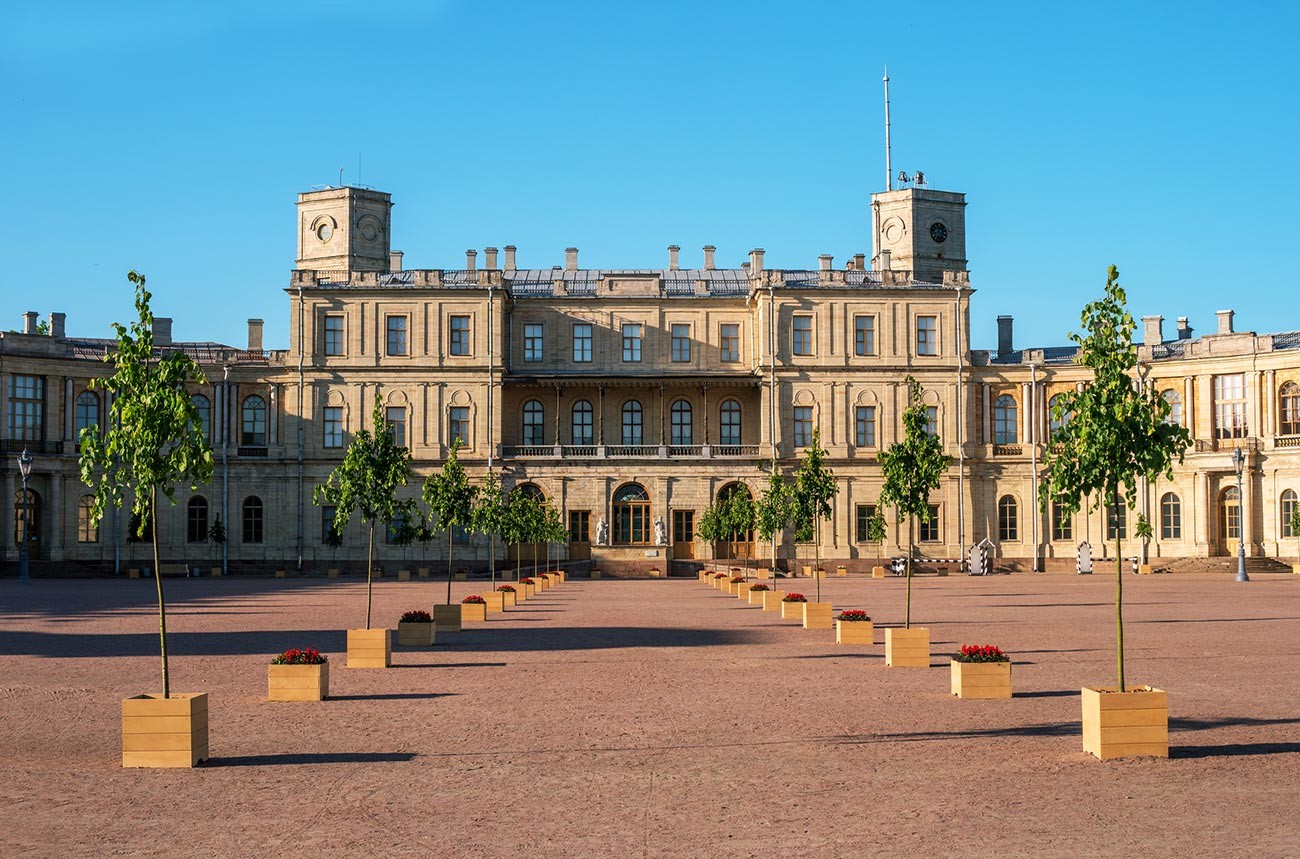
(631, 509)
(32, 531)
(742, 546)
(529, 552)
(1229, 520)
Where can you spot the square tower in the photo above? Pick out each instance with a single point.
(923, 230)
(344, 229)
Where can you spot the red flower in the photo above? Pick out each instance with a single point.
(853, 614)
(981, 653)
(794, 598)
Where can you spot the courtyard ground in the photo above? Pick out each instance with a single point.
(654, 718)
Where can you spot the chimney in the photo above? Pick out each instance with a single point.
(860, 261)
(755, 261)
(1153, 333)
(58, 325)
(1225, 320)
(673, 251)
(162, 331)
(29, 322)
(709, 250)
(1184, 330)
(394, 260)
(824, 262)
(471, 256)
(885, 262)
(510, 258)
(570, 259)
(1004, 335)
(254, 335)
(490, 258)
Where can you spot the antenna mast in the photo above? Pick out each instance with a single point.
(889, 172)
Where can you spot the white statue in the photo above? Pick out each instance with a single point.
(602, 532)
(661, 532)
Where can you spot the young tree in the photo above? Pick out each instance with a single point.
(151, 443)
(450, 500)
(876, 531)
(709, 526)
(814, 487)
(514, 526)
(488, 518)
(366, 483)
(553, 528)
(772, 511)
(913, 467)
(217, 537)
(1294, 521)
(737, 516)
(1112, 433)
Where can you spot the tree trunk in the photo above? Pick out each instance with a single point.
(1119, 601)
(370, 571)
(492, 560)
(157, 577)
(450, 552)
(907, 612)
(817, 556)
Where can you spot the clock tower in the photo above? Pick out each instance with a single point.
(923, 230)
(344, 229)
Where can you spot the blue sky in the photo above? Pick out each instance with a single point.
(173, 138)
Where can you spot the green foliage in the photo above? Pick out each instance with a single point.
(1295, 521)
(217, 532)
(814, 487)
(1116, 433)
(876, 528)
(488, 515)
(450, 501)
(365, 483)
(1143, 529)
(151, 445)
(913, 468)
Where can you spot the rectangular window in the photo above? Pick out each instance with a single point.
(864, 335)
(803, 335)
(730, 342)
(459, 339)
(333, 426)
(579, 526)
(395, 417)
(458, 423)
(929, 531)
(864, 425)
(1062, 525)
(1171, 517)
(582, 342)
(334, 334)
(864, 514)
(27, 408)
(533, 341)
(396, 335)
(931, 420)
(87, 530)
(681, 343)
(631, 341)
(328, 536)
(1116, 522)
(196, 521)
(1230, 407)
(803, 426)
(927, 335)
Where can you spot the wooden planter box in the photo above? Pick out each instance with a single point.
(422, 572)
(378, 573)
(332, 573)
(495, 601)
(216, 572)
(415, 634)
(981, 679)
(528, 590)
(792, 610)
(855, 632)
(772, 601)
(1125, 724)
(877, 572)
(756, 597)
(281, 574)
(133, 573)
(816, 615)
(298, 682)
(765, 574)
(907, 648)
(508, 598)
(805, 570)
(403, 575)
(1144, 569)
(841, 571)
(165, 732)
(446, 618)
(595, 574)
(742, 590)
(370, 648)
(473, 611)
(462, 576)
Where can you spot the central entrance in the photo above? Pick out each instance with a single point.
(741, 545)
(1229, 520)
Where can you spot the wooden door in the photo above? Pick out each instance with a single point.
(683, 534)
(579, 535)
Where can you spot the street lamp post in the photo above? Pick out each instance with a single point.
(25, 468)
(1239, 459)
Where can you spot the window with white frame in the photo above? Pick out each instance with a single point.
(533, 341)
(927, 335)
(864, 335)
(333, 426)
(1230, 407)
(864, 426)
(582, 342)
(631, 341)
(802, 343)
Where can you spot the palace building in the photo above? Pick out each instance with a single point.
(638, 395)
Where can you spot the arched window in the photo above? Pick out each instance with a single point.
(1057, 419)
(1175, 407)
(725, 494)
(87, 411)
(253, 519)
(632, 422)
(204, 408)
(534, 423)
(580, 427)
(254, 422)
(530, 490)
(196, 520)
(1289, 405)
(632, 515)
(1230, 514)
(1004, 420)
(1288, 510)
(729, 423)
(33, 514)
(1008, 519)
(681, 427)
(1171, 517)
(87, 528)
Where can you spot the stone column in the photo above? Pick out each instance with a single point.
(1274, 419)
(273, 415)
(68, 410)
(4, 409)
(600, 415)
(1189, 405)
(7, 511)
(704, 407)
(1026, 414)
(987, 417)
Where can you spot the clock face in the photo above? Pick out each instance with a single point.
(938, 232)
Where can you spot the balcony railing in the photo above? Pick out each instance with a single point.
(1288, 441)
(1212, 445)
(35, 448)
(252, 451)
(1007, 450)
(628, 451)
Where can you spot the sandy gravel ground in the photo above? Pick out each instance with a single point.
(654, 718)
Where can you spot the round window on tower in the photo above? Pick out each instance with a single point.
(325, 231)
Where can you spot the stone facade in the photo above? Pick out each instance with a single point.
(680, 381)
